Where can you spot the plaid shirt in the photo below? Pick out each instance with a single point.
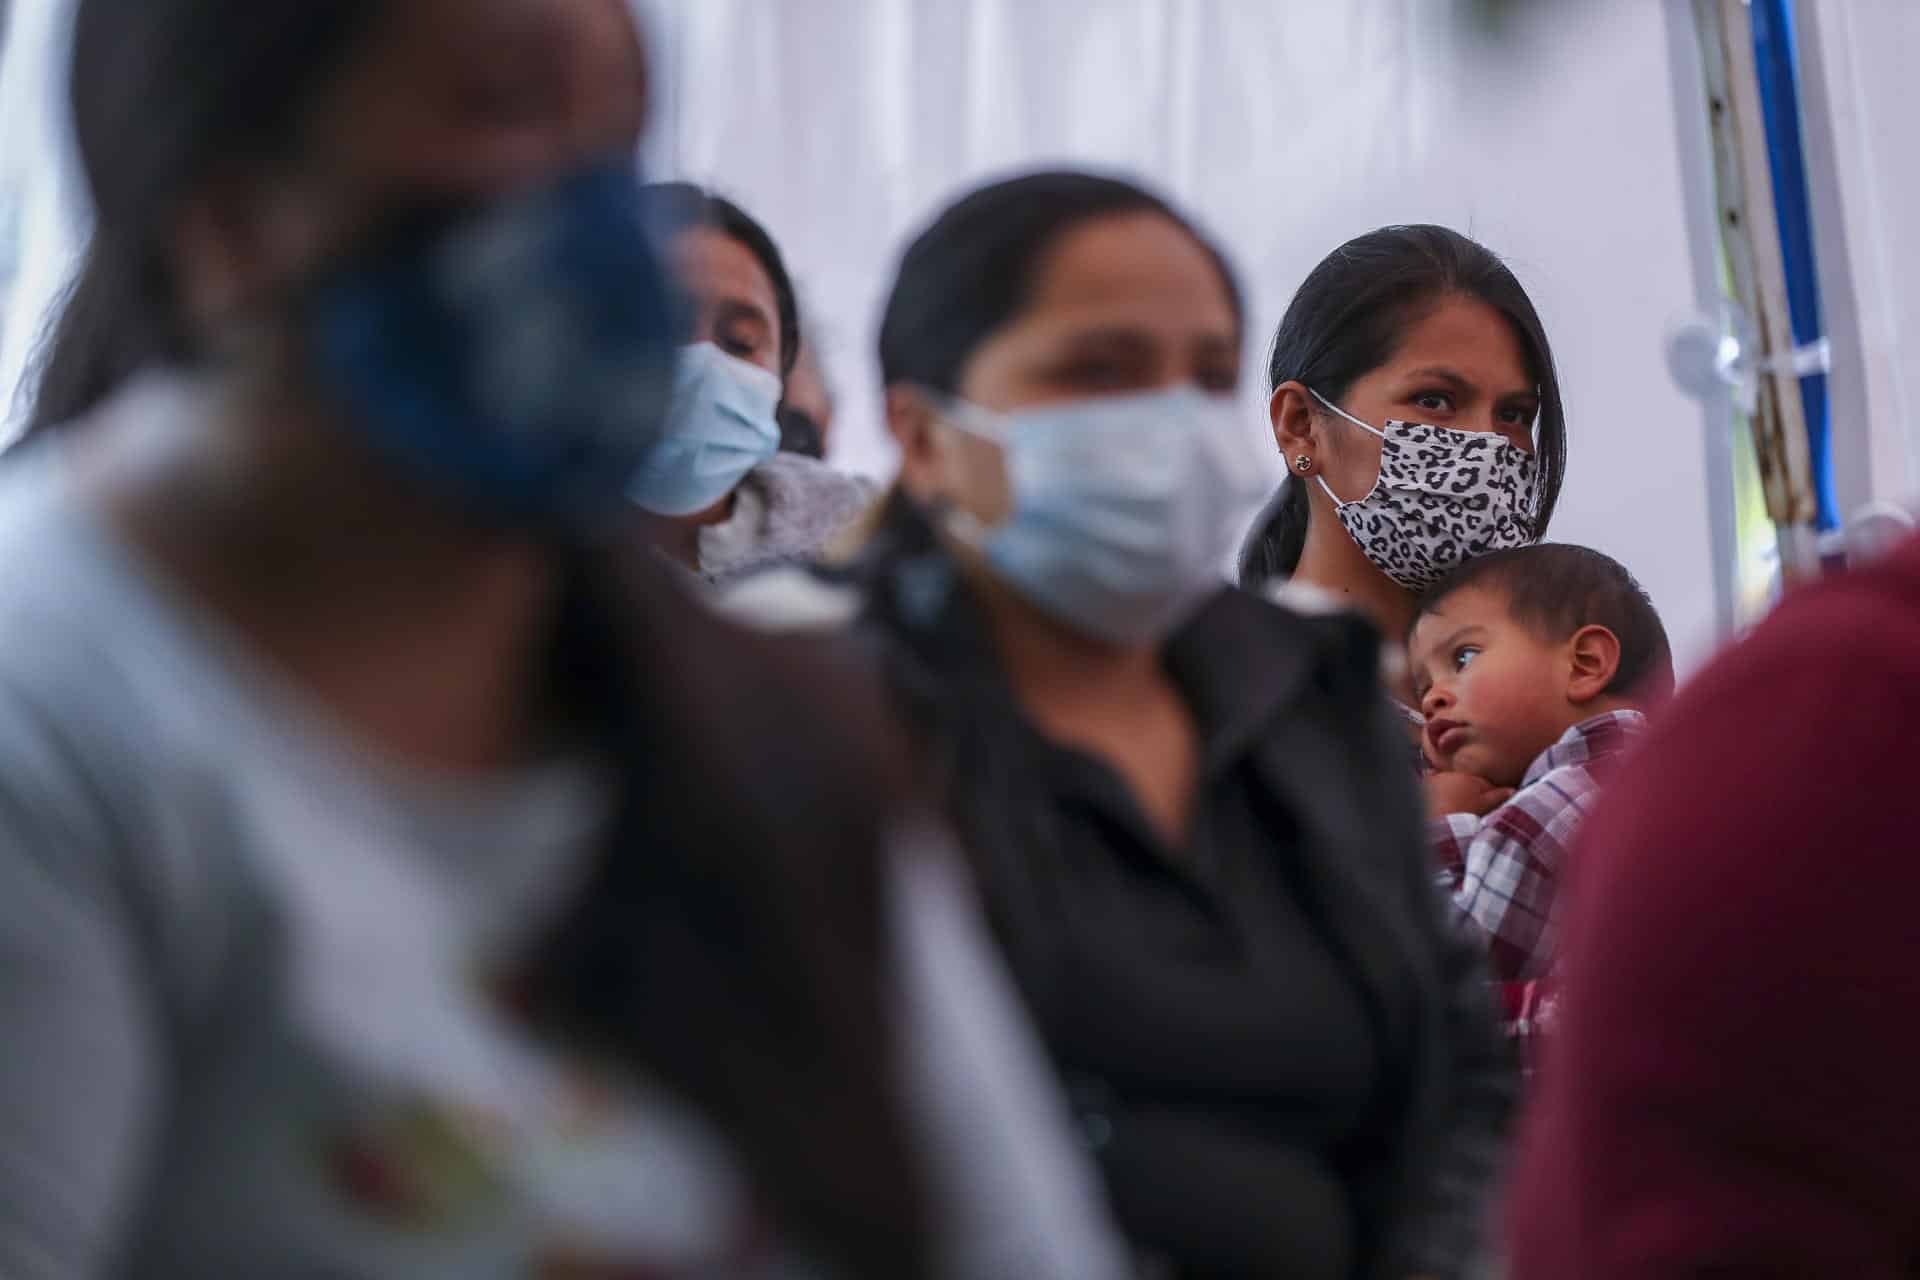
(1503, 870)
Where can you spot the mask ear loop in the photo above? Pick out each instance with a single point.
(1343, 413)
(1532, 512)
(982, 424)
(965, 416)
(1327, 488)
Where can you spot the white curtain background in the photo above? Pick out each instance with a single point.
(1865, 174)
(1569, 143)
(39, 215)
(1285, 128)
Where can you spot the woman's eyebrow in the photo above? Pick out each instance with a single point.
(1109, 342)
(1461, 382)
(1112, 334)
(738, 311)
(1441, 373)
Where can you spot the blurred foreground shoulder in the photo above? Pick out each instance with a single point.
(1742, 938)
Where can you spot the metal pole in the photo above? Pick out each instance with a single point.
(1750, 242)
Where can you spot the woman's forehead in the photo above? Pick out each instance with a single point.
(715, 267)
(1471, 339)
(1141, 267)
(459, 83)
(520, 26)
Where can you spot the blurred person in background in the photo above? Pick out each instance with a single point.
(726, 501)
(1730, 1087)
(1415, 405)
(1185, 805)
(396, 878)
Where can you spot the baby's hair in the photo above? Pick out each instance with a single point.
(1555, 589)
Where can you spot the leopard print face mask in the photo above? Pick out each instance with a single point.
(1443, 497)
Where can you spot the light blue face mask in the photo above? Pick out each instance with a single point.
(1124, 508)
(721, 427)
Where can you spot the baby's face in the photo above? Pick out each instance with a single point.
(1494, 692)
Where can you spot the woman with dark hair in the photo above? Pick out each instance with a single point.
(726, 502)
(1207, 874)
(1415, 403)
(396, 877)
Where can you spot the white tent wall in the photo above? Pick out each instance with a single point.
(1571, 145)
(1864, 170)
(37, 214)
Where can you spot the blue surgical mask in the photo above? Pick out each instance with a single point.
(721, 427)
(517, 358)
(1124, 508)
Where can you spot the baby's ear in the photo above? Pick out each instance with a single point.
(1593, 658)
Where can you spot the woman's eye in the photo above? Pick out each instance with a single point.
(1463, 656)
(1434, 401)
(1098, 374)
(1219, 381)
(509, 97)
(741, 348)
(1521, 418)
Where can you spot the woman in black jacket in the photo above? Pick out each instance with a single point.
(1189, 808)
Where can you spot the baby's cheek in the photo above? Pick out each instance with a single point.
(1503, 704)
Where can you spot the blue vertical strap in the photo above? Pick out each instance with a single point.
(1777, 60)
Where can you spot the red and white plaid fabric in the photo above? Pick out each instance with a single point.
(1503, 871)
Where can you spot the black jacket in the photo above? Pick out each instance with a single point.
(1325, 759)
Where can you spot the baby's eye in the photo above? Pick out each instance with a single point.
(1463, 656)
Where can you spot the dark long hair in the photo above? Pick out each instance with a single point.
(673, 207)
(733, 940)
(1348, 319)
(971, 272)
(208, 88)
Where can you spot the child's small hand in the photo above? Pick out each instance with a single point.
(1463, 793)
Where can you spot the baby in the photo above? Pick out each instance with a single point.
(1534, 668)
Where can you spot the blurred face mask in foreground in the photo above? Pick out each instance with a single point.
(722, 426)
(517, 357)
(1123, 508)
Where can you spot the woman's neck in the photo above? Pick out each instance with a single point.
(1332, 562)
(1116, 704)
(1052, 667)
(408, 623)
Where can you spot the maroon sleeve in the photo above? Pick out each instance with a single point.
(1733, 1087)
